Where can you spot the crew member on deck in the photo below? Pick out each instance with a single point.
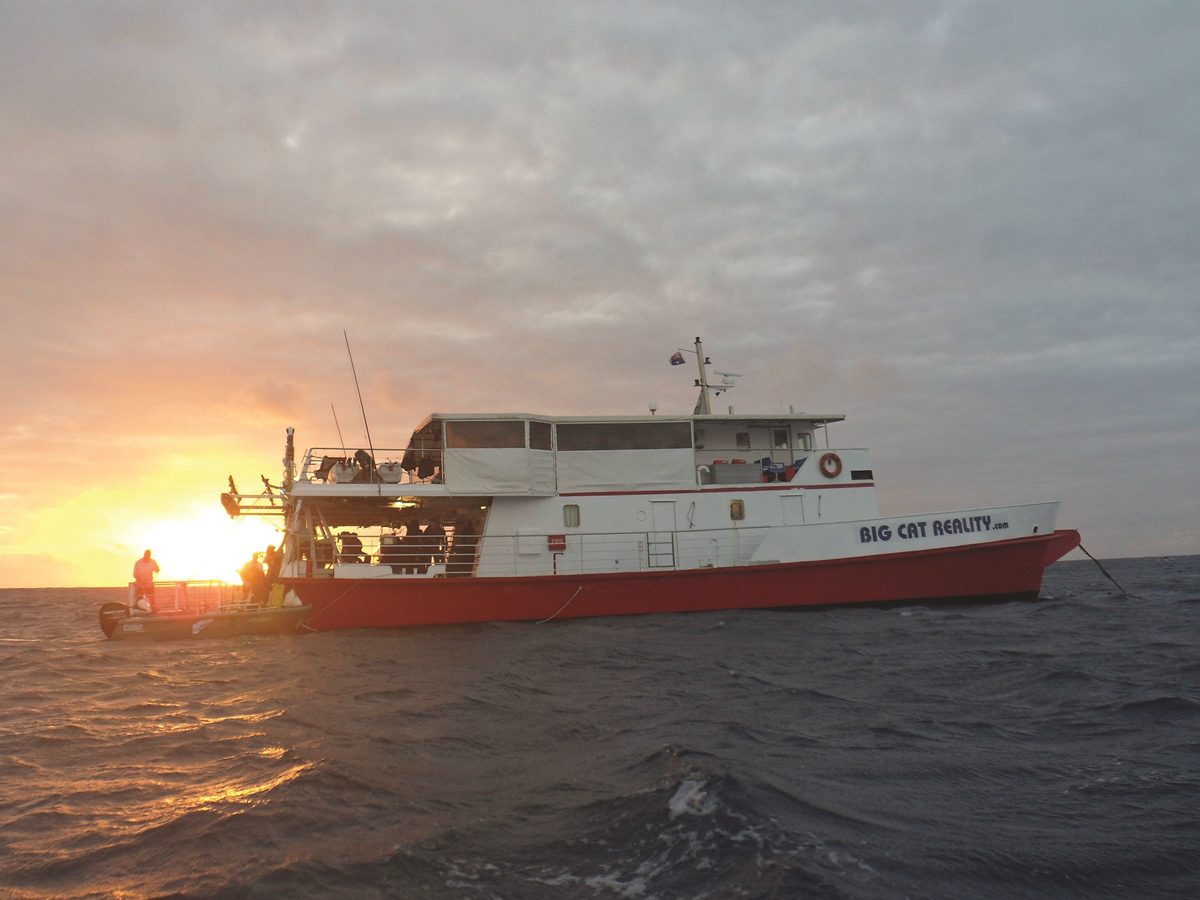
(352, 548)
(273, 559)
(143, 580)
(461, 560)
(390, 552)
(254, 582)
(414, 556)
(435, 539)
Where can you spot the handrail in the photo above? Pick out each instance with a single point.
(189, 597)
(526, 554)
(337, 465)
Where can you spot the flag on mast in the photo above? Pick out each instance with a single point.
(677, 358)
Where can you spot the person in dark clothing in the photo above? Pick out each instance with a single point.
(254, 581)
(461, 560)
(391, 553)
(414, 558)
(364, 466)
(273, 559)
(351, 547)
(435, 540)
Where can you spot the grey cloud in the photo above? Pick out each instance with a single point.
(930, 213)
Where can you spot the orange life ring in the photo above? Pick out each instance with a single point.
(831, 465)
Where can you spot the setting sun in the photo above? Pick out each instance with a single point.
(170, 506)
(206, 545)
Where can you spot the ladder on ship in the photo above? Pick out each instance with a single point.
(660, 543)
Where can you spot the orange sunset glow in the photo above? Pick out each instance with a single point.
(181, 522)
(206, 545)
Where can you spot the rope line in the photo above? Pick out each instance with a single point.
(595, 590)
(578, 590)
(1105, 573)
(327, 608)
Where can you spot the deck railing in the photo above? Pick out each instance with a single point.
(338, 465)
(192, 597)
(641, 551)
(547, 554)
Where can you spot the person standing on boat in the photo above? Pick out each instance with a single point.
(144, 571)
(352, 548)
(461, 560)
(427, 540)
(414, 556)
(434, 536)
(390, 553)
(273, 559)
(254, 582)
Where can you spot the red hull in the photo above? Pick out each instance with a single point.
(976, 572)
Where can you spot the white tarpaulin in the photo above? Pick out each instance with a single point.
(499, 471)
(617, 470)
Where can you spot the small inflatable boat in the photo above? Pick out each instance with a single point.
(199, 609)
(118, 624)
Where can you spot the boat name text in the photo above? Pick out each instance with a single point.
(906, 531)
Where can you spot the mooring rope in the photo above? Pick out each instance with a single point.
(1105, 573)
(305, 624)
(596, 590)
(578, 590)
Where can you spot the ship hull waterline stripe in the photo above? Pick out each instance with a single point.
(982, 571)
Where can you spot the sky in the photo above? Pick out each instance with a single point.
(971, 227)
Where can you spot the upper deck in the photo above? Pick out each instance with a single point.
(521, 454)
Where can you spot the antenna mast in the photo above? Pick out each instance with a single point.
(289, 461)
(702, 407)
(366, 427)
(337, 425)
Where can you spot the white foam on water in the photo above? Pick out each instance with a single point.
(692, 800)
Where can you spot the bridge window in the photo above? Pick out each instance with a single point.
(625, 436)
(539, 435)
(571, 515)
(488, 433)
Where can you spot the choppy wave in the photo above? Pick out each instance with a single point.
(1017, 750)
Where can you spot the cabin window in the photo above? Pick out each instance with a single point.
(539, 435)
(624, 436)
(493, 434)
(803, 440)
(699, 438)
(743, 440)
(780, 438)
(571, 515)
(737, 510)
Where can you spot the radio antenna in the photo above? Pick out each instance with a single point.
(341, 439)
(366, 427)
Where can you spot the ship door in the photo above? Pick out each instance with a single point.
(793, 509)
(660, 543)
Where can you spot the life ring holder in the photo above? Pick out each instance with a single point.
(831, 465)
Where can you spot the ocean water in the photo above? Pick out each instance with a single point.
(1047, 749)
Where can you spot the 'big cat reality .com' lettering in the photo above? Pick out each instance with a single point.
(920, 528)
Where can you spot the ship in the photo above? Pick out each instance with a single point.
(490, 517)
